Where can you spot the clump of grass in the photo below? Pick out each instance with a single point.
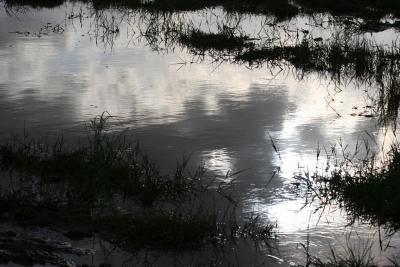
(367, 192)
(358, 58)
(226, 40)
(305, 55)
(106, 164)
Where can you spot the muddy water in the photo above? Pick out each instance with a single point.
(223, 114)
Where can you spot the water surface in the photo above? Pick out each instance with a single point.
(223, 115)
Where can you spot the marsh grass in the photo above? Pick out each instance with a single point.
(106, 163)
(358, 58)
(226, 40)
(367, 191)
(107, 185)
(343, 61)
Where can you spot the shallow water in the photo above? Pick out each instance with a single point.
(223, 115)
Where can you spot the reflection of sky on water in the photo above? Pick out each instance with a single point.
(224, 116)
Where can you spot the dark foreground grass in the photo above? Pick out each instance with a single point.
(365, 191)
(108, 187)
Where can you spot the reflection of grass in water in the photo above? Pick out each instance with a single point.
(367, 192)
(109, 186)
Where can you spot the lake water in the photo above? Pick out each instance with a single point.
(222, 114)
